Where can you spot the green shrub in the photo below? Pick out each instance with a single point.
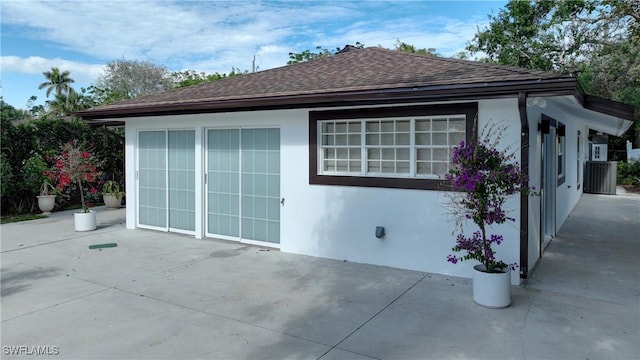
(6, 175)
(32, 173)
(629, 173)
(29, 148)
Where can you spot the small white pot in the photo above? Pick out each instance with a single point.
(85, 221)
(111, 201)
(491, 290)
(46, 203)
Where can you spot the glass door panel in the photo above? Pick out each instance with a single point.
(182, 180)
(152, 184)
(260, 175)
(223, 182)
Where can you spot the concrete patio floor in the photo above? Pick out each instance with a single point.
(166, 296)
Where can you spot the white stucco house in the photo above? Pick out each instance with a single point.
(310, 158)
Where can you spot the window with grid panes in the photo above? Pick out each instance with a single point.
(435, 138)
(402, 147)
(341, 146)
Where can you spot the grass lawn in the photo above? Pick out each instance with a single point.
(15, 218)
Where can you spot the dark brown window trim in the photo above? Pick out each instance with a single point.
(469, 109)
(578, 156)
(547, 123)
(561, 133)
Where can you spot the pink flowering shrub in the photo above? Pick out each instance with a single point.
(485, 178)
(75, 165)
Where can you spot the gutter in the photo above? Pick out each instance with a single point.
(524, 199)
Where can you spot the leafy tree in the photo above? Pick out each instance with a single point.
(10, 113)
(6, 176)
(126, 79)
(595, 40)
(67, 104)
(611, 65)
(307, 55)
(319, 53)
(323, 52)
(35, 111)
(57, 81)
(408, 48)
(191, 77)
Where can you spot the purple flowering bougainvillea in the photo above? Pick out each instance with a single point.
(484, 178)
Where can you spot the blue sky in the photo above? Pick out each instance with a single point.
(211, 36)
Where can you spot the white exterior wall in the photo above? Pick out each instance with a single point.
(567, 194)
(339, 221)
(505, 112)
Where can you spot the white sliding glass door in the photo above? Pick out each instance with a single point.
(243, 184)
(166, 180)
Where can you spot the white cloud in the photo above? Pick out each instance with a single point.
(448, 36)
(165, 32)
(37, 65)
(212, 36)
(178, 34)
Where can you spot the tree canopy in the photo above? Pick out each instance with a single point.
(598, 41)
(191, 77)
(411, 49)
(320, 52)
(127, 79)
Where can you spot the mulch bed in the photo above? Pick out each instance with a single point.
(631, 189)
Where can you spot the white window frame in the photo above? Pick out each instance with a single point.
(460, 134)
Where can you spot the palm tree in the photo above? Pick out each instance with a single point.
(67, 104)
(58, 81)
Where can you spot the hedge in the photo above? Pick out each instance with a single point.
(28, 149)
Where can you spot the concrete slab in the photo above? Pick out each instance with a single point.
(560, 326)
(160, 295)
(27, 289)
(57, 227)
(117, 325)
(317, 299)
(595, 254)
(437, 319)
(139, 253)
(339, 354)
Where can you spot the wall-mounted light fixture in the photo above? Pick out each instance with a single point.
(379, 232)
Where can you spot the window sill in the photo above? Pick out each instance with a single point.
(381, 182)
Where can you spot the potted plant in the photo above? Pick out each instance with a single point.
(75, 165)
(46, 199)
(484, 178)
(111, 194)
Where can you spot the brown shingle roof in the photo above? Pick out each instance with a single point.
(348, 72)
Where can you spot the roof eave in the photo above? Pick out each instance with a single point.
(548, 87)
(609, 107)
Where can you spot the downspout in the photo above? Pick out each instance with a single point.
(524, 199)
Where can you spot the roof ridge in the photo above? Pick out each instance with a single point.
(515, 69)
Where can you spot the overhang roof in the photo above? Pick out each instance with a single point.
(353, 77)
(594, 119)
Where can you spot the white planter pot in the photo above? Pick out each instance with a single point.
(46, 203)
(492, 290)
(85, 221)
(111, 201)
